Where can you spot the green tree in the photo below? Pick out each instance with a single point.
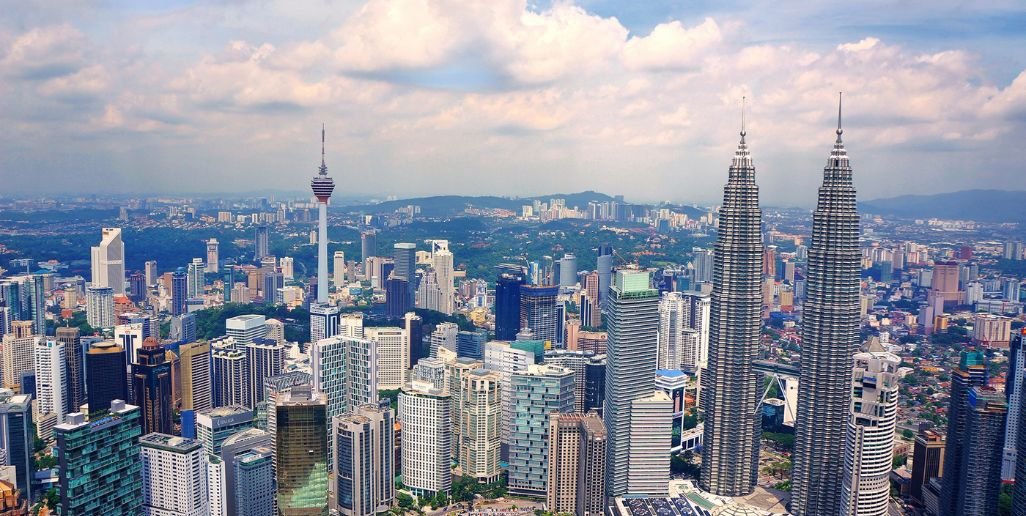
(908, 434)
(406, 502)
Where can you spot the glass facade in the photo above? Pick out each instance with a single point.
(301, 456)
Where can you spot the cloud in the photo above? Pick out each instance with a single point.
(44, 53)
(672, 46)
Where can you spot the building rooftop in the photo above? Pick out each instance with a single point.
(172, 443)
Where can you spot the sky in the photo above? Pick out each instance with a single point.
(509, 97)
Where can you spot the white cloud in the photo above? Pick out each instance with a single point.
(672, 46)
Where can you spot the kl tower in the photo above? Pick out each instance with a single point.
(322, 186)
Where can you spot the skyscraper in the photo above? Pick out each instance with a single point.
(195, 280)
(100, 306)
(179, 291)
(538, 312)
(230, 374)
(324, 321)
(414, 326)
(536, 392)
(505, 359)
(478, 423)
(301, 452)
(830, 333)
(869, 444)
(729, 391)
(1013, 389)
(405, 255)
(971, 372)
(51, 402)
(151, 387)
(215, 426)
(17, 438)
(979, 474)
(213, 256)
(264, 358)
(568, 271)
(364, 471)
(671, 331)
(106, 375)
(344, 370)
(108, 261)
(174, 476)
(368, 247)
(393, 359)
(75, 355)
(927, 462)
(507, 302)
(577, 462)
(111, 441)
(262, 241)
(633, 320)
(604, 267)
(425, 413)
(339, 269)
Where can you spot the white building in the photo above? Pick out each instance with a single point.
(108, 262)
(445, 336)
(324, 321)
(174, 476)
(425, 414)
(651, 422)
(697, 307)
(364, 443)
(480, 410)
(339, 269)
(51, 403)
(18, 356)
(100, 306)
(393, 355)
(670, 354)
(288, 267)
(195, 278)
(216, 486)
(869, 447)
(344, 369)
(506, 360)
(130, 337)
(212, 256)
(245, 328)
(230, 372)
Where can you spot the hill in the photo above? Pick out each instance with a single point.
(978, 205)
(447, 205)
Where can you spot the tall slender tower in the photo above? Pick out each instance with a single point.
(322, 186)
(830, 335)
(729, 393)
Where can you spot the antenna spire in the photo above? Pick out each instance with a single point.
(322, 143)
(743, 132)
(839, 130)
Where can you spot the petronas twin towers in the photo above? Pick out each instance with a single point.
(830, 322)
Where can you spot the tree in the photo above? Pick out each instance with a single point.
(406, 502)
(907, 434)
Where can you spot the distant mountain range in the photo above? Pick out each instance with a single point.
(446, 205)
(978, 205)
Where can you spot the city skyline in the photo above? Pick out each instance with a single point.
(117, 99)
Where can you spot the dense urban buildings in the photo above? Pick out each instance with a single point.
(577, 462)
(174, 476)
(363, 483)
(971, 373)
(300, 452)
(536, 393)
(426, 412)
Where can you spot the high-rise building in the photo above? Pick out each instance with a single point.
(445, 336)
(106, 375)
(1013, 390)
(397, 301)
(261, 242)
(214, 426)
(111, 441)
(393, 359)
(195, 280)
(130, 337)
(264, 358)
(729, 391)
(471, 344)
(339, 269)
(16, 437)
(650, 436)
(18, 357)
(100, 307)
(927, 462)
(505, 359)
(150, 271)
(595, 384)
(151, 388)
(108, 261)
(75, 370)
(345, 370)
(536, 392)
(301, 452)
(287, 264)
(213, 257)
(425, 414)
(51, 403)
(137, 287)
(183, 328)
(179, 291)
(245, 328)
(577, 463)
(405, 255)
(478, 421)
(538, 312)
(248, 488)
(325, 321)
(604, 267)
(979, 474)
(363, 484)
(368, 246)
(830, 331)
(672, 344)
(633, 321)
(971, 372)
(568, 271)
(507, 302)
(869, 443)
(174, 476)
(230, 377)
(195, 376)
(414, 326)
(576, 361)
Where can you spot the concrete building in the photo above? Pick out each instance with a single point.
(195, 376)
(506, 360)
(18, 353)
(245, 328)
(108, 261)
(345, 370)
(213, 257)
(576, 361)
(363, 483)
(16, 438)
(536, 393)
(577, 462)
(393, 356)
(991, 331)
(927, 462)
(75, 357)
(971, 373)
(51, 404)
(425, 413)
(151, 388)
(325, 321)
(478, 423)
(215, 425)
(979, 475)
(174, 476)
(100, 307)
(230, 373)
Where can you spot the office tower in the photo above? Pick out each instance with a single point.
(604, 267)
(16, 437)
(869, 442)
(471, 344)
(568, 271)
(195, 376)
(927, 462)
(273, 282)
(368, 246)
(697, 308)
(108, 261)
(106, 376)
(111, 441)
(971, 372)
(1013, 390)
(179, 291)
(397, 302)
(414, 326)
(729, 390)
(505, 359)
(151, 387)
(576, 361)
(253, 474)
(150, 270)
(264, 358)
(405, 255)
(480, 409)
(245, 328)
(451, 375)
(195, 280)
(577, 462)
(324, 321)
(18, 358)
(364, 472)
(538, 311)
(276, 331)
(425, 413)
(301, 452)
(830, 332)
(230, 373)
(51, 403)
(979, 474)
(536, 393)
(339, 269)
(174, 476)
(633, 321)
(213, 257)
(393, 359)
(287, 264)
(214, 426)
(130, 337)
(183, 328)
(345, 371)
(445, 336)
(595, 384)
(437, 290)
(262, 242)
(650, 437)
(351, 325)
(507, 302)
(100, 307)
(671, 350)
(137, 287)
(944, 286)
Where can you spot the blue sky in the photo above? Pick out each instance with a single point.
(509, 97)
